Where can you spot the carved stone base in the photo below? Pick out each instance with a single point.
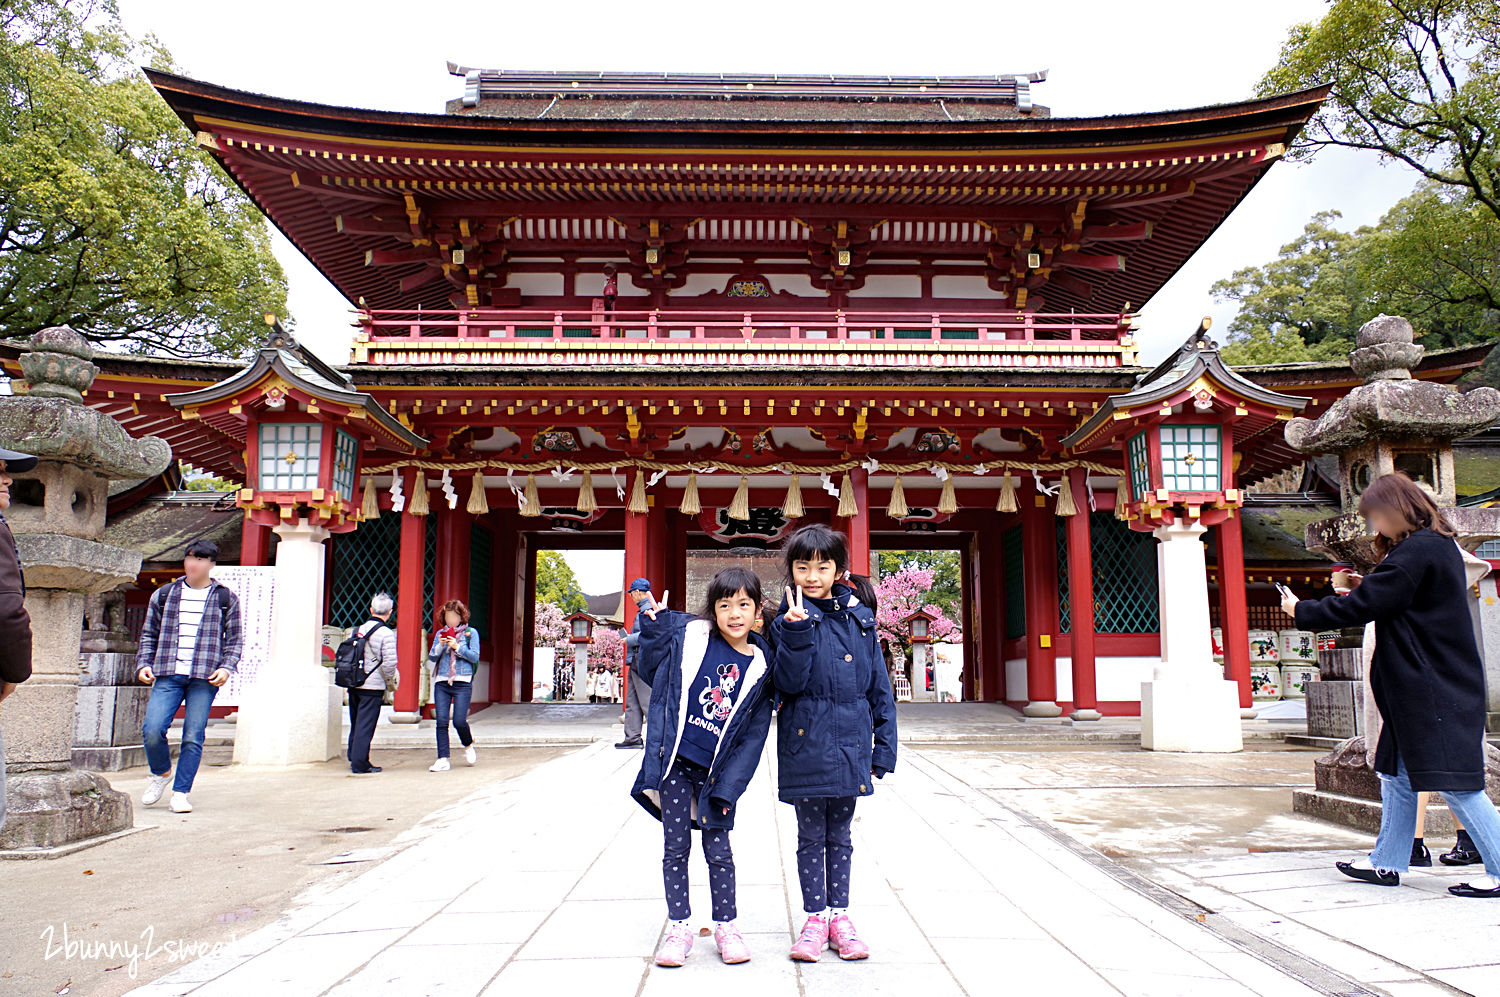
(51, 809)
(1348, 791)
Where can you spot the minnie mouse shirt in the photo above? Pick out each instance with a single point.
(711, 700)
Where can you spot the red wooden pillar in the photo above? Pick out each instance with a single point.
(658, 555)
(675, 526)
(255, 544)
(989, 613)
(505, 592)
(455, 530)
(526, 564)
(410, 578)
(970, 675)
(1039, 550)
(1233, 614)
(1081, 600)
(858, 525)
(638, 558)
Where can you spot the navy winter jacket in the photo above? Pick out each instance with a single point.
(838, 718)
(671, 650)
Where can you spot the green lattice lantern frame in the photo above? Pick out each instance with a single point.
(300, 466)
(1181, 467)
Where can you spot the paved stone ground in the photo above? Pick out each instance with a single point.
(552, 881)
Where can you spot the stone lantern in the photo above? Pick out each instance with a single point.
(919, 632)
(1177, 429)
(305, 426)
(580, 635)
(57, 516)
(1392, 422)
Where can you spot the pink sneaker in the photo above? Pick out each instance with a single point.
(813, 940)
(675, 947)
(846, 940)
(732, 947)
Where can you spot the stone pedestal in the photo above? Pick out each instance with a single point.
(111, 705)
(1336, 702)
(290, 713)
(1347, 791)
(580, 673)
(1188, 705)
(1488, 632)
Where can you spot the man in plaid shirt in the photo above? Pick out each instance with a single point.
(189, 645)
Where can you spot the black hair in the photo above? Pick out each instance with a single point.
(726, 584)
(203, 548)
(816, 542)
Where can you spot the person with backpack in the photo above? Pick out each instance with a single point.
(189, 645)
(454, 657)
(365, 664)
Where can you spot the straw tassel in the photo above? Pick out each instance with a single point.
(417, 505)
(531, 504)
(638, 503)
(479, 502)
(690, 505)
(587, 503)
(1065, 504)
(848, 508)
(371, 507)
(1007, 501)
(948, 501)
(1122, 499)
(739, 506)
(791, 508)
(897, 509)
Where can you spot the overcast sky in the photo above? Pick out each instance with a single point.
(1102, 58)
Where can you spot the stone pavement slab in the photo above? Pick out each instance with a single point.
(550, 882)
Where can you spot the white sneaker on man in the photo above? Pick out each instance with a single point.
(470, 755)
(441, 765)
(155, 786)
(180, 804)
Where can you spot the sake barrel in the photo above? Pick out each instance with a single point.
(1217, 639)
(1297, 645)
(1265, 681)
(1264, 646)
(1296, 677)
(1327, 640)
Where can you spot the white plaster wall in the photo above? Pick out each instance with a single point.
(891, 286)
(1116, 679)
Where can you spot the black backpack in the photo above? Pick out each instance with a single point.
(349, 660)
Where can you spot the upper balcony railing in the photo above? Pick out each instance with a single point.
(782, 337)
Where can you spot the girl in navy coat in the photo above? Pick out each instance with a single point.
(710, 712)
(836, 732)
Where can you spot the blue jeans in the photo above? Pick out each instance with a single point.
(1398, 823)
(452, 699)
(167, 694)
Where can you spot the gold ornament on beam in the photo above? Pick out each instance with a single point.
(948, 501)
(739, 506)
(531, 504)
(1007, 502)
(638, 503)
(1065, 504)
(1122, 500)
(848, 508)
(690, 506)
(587, 503)
(418, 504)
(896, 508)
(371, 507)
(479, 502)
(791, 508)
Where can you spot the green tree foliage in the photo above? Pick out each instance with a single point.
(1433, 258)
(556, 583)
(1417, 81)
(112, 220)
(947, 586)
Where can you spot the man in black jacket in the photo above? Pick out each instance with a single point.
(15, 623)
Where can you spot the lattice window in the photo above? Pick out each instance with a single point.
(289, 453)
(1140, 472)
(1190, 458)
(1125, 598)
(345, 456)
(365, 562)
(1015, 584)
(480, 547)
(1489, 550)
(429, 576)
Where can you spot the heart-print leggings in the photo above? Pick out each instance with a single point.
(678, 791)
(825, 847)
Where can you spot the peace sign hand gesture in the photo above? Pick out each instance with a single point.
(649, 605)
(796, 609)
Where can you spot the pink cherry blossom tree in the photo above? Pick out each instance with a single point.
(902, 593)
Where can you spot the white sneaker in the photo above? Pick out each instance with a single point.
(155, 786)
(470, 755)
(441, 765)
(180, 804)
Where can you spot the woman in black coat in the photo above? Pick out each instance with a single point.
(1426, 675)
